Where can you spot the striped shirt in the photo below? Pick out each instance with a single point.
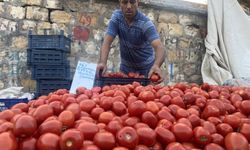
(135, 40)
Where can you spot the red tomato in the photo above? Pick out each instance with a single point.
(233, 120)
(24, 126)
(201, 135)
(105, 117)
(87, 105)
(189, 145)
(119, 97)
(51, 126)
(165, 99)
(210, 127)
(178, 100)
(147, 136)
(146, 96)
(57, 107)
(106, 102)
(175, 146)
(154, 77)
(137, 108)
(164, 135)
(245, 130)
(194, 109)
(209, 111)
(189, 98)
(214, 120)
(81, 97)
(75, 109)
(27, 144)
(67, 118)
(195, 120)
(6, 115)
(164, 114)
(181, 113)
(8, 141)
(6, 126)
(182, 132)
(156, 146)
(119, 108)
(48, 141)
(185, 121)
(105, 140)
(127, 137)
(69, 100)
(150, 119)
(245, 107)
(42, 113)
(165, 124)
(140, 125)
(131, 121)
(23, 106)
(200, 102)
(95, 112)
(236, 141)
(88, 129)
(71, 139)
(219, 104)
(114, 126)
(217, 139)
(152, 106)
(213, 146)
(120, 148)
(16, 111)
(224, 129)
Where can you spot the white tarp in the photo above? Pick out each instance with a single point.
(227, 42)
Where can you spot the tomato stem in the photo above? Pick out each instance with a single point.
(69, 143)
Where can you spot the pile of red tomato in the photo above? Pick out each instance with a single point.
(131, 117)
(123, 75)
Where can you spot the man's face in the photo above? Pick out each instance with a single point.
(129, 8)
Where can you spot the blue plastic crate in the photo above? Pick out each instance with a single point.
(48, 57)
(57, 42)
(50, 72)
(44, 87)
(8, 103)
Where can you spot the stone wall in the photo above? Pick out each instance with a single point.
(181, 33)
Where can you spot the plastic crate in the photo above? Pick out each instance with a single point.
(44, 87)
(48, 57)
(50, 72)
(57, 42)
(8, 103)
(102, 81)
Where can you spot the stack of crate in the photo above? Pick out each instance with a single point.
(47, 59)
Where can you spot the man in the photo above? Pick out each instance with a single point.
(141, 50)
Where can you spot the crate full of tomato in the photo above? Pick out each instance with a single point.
(119, 78)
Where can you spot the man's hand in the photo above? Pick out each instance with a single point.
(156, 70)
(100, 69)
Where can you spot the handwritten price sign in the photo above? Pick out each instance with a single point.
(84, 76)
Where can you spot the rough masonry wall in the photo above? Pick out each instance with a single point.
(181, 33)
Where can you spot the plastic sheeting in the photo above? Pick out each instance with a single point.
(227, 42)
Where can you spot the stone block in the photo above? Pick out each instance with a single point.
(54, 4)
(19, 42)
(58, 16)
(16, 12)
(168, 17)
(37, 13)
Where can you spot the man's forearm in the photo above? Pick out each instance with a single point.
(160, 55)
(105, 48)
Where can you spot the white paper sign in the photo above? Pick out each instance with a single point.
(84, 76)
